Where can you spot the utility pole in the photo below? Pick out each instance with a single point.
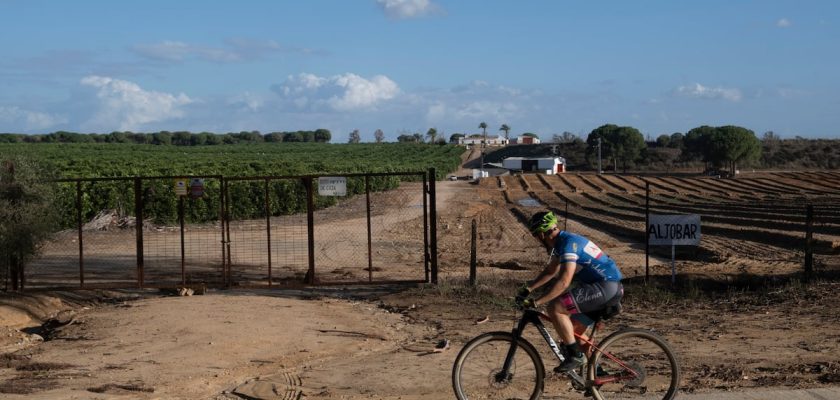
(599, 156)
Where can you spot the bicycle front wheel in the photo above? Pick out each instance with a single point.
(634, 364)
(477, 373)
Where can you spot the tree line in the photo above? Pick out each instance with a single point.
(725, 148)
(177, 138)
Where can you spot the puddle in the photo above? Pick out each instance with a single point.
(529, 202)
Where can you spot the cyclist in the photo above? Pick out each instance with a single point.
(582, 279)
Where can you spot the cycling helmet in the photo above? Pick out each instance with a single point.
(542, 222)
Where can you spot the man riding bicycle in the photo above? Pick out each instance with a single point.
(583, 279)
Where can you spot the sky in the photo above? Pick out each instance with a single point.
(404, 66)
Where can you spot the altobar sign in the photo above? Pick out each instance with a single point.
(674, 230)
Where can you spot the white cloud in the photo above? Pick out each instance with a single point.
(345, 92)
(27, 120)
(699, 91)
(783, 23)
(126, 106)
(404, 9)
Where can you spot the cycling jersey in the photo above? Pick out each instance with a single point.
(593, 264)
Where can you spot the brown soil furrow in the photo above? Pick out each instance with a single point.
(611, 183)
(582, 183)
(630, 182)
(769, 185)
(567, 182)
(702, 188)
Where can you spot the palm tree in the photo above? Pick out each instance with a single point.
(506, 129)
(483, 127)
(432, 134)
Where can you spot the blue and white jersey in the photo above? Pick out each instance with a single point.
(593, 264)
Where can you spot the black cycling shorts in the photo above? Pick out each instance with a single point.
(588, 297)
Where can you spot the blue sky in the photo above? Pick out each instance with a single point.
(405, 66)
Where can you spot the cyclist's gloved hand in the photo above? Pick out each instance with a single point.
(523, 291)
(524, 302)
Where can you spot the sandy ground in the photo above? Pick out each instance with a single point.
(378, 342)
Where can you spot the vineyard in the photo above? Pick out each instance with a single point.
(751, 224)
(122, 161)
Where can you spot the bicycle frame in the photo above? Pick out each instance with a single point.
(534, 317)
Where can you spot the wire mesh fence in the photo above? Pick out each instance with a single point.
(747, 227)
(250, 231)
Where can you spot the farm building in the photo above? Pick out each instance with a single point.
(477, 139)
(547, 165)
(525, 139)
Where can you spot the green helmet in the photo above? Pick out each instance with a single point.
(542, 222)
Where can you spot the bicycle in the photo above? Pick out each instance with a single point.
(629, 363)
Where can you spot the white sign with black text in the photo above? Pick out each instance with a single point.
(674, 230)
(332, 186)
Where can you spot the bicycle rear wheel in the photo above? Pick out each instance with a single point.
(633, 364)
(477, 373)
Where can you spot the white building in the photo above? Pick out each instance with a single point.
(545, 165)
(475, 140)
(525, 139)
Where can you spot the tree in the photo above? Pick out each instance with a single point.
(432, 135)
(770, 144)
(454, 138)
(322, 135)
(483, 127)
(28, 215)
(354, 137)
(565, 137)
(406, 138)
(379, 136)
(622, 144)
(663, 140)
(506, 129)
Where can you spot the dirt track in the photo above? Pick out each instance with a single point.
(362, 344)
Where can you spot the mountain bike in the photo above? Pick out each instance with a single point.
(628, 364)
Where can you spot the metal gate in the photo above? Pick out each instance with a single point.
(169, 231)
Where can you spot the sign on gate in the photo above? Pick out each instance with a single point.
(196, 188)
(677, 230)
(180, 187)
(332, 186)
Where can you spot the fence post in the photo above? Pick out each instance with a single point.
(81, 235)
(369, 234)
(433, 225)
(310, 226)
(268, 227)
(647, 237)
(426, 228)
(809, 235)
(183, 250)
(138, 225)
(473, 253)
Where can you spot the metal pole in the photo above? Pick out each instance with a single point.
(138, 223)
(433, 224)
(647, 236)
(226, 263)
(809, 236)
(183, 251)
(369, 238)
(425, 228)
(223, 217)
(673, 265)
(268, 228)
(310, 226)
(81, 236)
(473, 253)
(599, 156)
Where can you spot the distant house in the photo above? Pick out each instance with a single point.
(545, 165)
(475, 140)
(525, 139)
